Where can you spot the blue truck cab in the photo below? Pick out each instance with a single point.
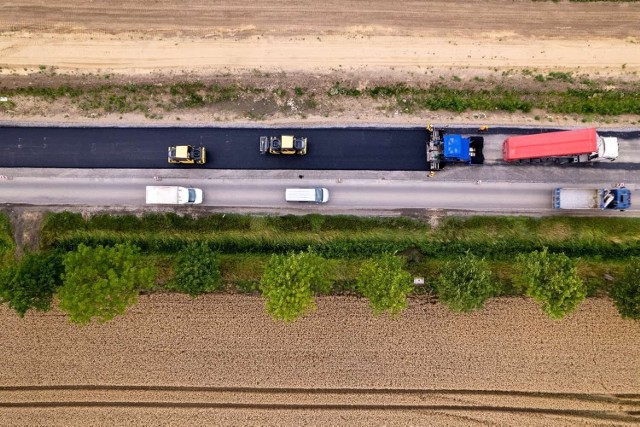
(456, 149)
(621, 198)
(444, 148)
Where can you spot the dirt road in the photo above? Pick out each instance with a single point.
(221, 358)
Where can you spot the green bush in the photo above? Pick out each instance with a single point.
(385, 283)
(552, 280)
(626, 291)
(289, 282)
(31, 282)
(102, 282)
(197, 270)
(465, 284)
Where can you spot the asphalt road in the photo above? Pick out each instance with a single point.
(346, 194)
(383, 149)
(237, 176)
(347, 149)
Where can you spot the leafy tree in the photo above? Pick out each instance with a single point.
(626, 291)
(31, 282)
(102, 282)
(466, 284)
(552, 279)
(289, 282)
(385, 283)
(197, 270)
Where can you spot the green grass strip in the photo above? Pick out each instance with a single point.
(566, 95)
(351, 237)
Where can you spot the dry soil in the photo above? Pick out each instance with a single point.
(304, 40)
(220, 359)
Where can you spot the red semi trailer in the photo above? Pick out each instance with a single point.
(571, 146)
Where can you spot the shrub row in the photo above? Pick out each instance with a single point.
(348, 246)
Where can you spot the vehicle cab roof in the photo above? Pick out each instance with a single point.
(182, 151)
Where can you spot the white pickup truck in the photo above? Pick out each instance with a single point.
(173, 195)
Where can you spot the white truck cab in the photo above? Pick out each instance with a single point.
(173, 195)
(607, 148)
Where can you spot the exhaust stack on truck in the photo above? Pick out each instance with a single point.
(572, 146)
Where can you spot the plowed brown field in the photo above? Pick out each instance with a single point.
(304, 17)
(221, 360)
(309, 36)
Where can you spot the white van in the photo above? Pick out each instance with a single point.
(173, 195)
(310, 195)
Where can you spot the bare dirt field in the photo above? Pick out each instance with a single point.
(266, 43)
(307, 36)
(221, 360)
(304, 17)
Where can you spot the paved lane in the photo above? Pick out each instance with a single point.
(346, 194)
(237, 148)
(384, 149)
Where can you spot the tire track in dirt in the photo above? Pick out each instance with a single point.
(627, 416)
(619, 398)
(616, 408)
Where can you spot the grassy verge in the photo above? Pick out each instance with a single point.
(512, 91)
(241, 273)
(585, 100)
(351, 237)
(246, 242)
